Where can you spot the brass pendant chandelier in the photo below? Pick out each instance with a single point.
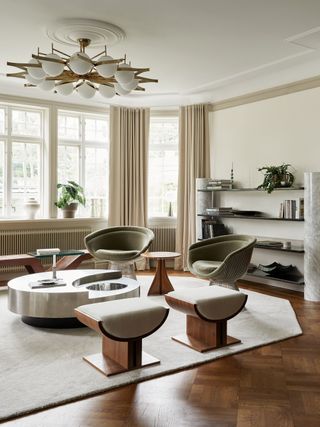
(65, 74)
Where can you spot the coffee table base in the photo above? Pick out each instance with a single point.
(54, 323)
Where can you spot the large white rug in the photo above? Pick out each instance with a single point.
(40, 368)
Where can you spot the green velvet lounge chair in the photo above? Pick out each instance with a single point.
(120, 246)
(222, 260)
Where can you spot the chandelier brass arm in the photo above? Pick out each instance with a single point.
(78, 72)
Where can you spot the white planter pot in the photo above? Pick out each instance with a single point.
(70, 210)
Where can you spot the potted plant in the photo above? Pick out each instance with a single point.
(276, 177)
(70, 195)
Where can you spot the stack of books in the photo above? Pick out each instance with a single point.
(210, 228)
(292, 209)
(219, 184)
(219, 211)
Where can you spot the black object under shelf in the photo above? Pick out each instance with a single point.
(251, 217)
(260, 274)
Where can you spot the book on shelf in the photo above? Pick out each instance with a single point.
(219, 211)
(211, 228)
(292, 209)
(219, 184)
(269, 243)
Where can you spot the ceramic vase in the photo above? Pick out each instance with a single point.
(31, 207)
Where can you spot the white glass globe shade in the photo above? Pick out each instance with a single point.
(47, 84)
(53, 69)
(107, 91)
(65, 89)
(86, 91)
(120, 90)
(78, 65)
(106, 70)
(32, 80)
(124, 76)
(130, 86)
(36, 72)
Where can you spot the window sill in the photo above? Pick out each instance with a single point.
(49, 222)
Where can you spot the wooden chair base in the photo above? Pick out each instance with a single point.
(109, 367)
(200, 346)
(202, 335)
(120, 356)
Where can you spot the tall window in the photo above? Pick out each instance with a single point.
(163, 166)
(83, 153)
(21, 148)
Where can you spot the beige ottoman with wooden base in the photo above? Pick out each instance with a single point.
(123, 324)
(207, 310)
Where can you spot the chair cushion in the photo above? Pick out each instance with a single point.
(213, 302)
(205, 266)
(127, 318)
(116, 254)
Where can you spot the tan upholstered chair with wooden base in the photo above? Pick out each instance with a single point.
(123, 324)
(120, 246)
(207, 309)
(222, 260)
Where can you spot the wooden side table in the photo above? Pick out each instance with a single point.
(161, 283)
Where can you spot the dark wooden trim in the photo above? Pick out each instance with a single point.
(32, 265)
(72, 262)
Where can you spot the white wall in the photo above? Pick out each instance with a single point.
(285, 129)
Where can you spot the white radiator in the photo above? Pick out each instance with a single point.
(24, 241)
(164, 239)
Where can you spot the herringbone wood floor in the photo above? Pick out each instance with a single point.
(273, 386)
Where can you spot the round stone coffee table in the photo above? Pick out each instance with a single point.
(161, 283)
(50, 306)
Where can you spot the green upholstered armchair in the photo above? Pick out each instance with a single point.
(120, 246)
(222, 260)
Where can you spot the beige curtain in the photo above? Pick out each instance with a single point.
(128, 192)
(194, 162)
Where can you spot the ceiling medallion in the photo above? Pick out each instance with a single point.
(64, 74)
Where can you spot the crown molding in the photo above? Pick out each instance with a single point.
(261, 95)
(48, 103)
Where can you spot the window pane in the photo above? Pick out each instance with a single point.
(68, 127)
(2, 121)
(68, 163)
(27, 123)
(96, 130)
(163, 166)
(164, 130)
(1, 177)
(96, 181)
(25, 175)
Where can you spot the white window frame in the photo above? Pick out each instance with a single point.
(9, 138)
(162, 114)
(81, 143)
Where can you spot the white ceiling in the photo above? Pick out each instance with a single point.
(205, 50)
